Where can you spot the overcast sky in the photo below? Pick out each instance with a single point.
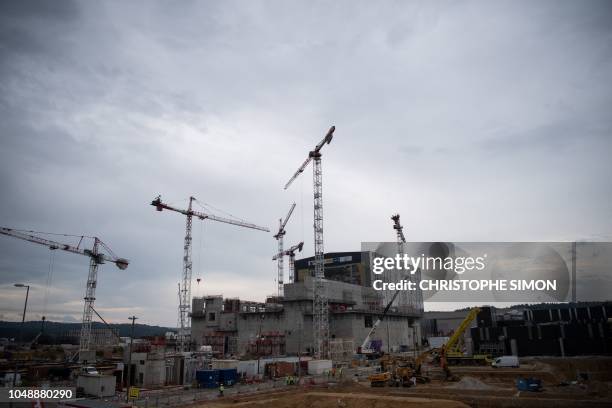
(477, 121)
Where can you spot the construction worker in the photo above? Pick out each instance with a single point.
(221, 389)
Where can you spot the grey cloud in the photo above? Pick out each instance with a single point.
(104, 105)
(558, 137)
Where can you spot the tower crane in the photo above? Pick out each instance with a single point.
(279, 237)
(291, 254)
(185, 288)
(96, 257)
(401, 240)
(416, 302)
(320, 301)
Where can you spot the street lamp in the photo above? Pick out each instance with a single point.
(21, 285)
(25, 306)
(129, 367)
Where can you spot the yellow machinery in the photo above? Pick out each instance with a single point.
(396, 371)
(380, 379)
(452, 349)
(450, 352)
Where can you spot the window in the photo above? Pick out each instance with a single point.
(367, 320)
(211, 316)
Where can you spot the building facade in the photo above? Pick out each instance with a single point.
(283, 326)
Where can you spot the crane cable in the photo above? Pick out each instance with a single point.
(302, 205)
(49, 280)
(199, 271)
(211, 209)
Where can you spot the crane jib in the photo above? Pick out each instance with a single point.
(313, 153)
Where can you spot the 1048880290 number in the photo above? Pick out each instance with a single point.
(36, 394)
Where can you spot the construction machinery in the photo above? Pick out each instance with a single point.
(366, 347)
(320, 301)
(452, 349)
(279, 237)
(99, 254)
(291, 254)
(404, 371)
(185, 288)
(397, 371)
(449, 353)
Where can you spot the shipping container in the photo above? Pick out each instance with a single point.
(208, 378)
(228, 376)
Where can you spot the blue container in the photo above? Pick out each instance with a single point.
(529, 384)
(228, 376)
(207, 378)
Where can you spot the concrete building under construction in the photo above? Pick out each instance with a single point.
(283, 326)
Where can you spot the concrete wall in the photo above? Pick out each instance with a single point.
(155, 373)
(350, 304)
(97, 385)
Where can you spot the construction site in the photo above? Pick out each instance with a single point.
(484, 125)
(326, 338)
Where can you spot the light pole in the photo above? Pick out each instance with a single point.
(25, 306)
(129, 367)
(259, 342)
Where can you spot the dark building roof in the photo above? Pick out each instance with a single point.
(333, 258)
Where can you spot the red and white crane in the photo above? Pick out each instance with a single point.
(320, 301)
(291, 254)
(279, 237)
(96, 257)
(185, 288)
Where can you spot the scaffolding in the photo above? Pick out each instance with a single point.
(268, 344)
(222, 343)
(99, 337)
(341, 349)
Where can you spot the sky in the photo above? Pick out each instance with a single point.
(475, 120)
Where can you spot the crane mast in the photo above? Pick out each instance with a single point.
(184, 303)
(185, 289)
(415, 302)
(320, 301)
(96, 257)
(279, 237)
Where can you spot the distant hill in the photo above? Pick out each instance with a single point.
(55, 332)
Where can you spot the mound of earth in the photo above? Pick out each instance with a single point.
(471, 383)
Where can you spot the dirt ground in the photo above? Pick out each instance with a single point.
(339, 399)
(481, 387)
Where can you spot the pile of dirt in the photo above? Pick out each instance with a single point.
(471, 383)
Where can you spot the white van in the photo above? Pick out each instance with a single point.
(506, 361)
(90, 370)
